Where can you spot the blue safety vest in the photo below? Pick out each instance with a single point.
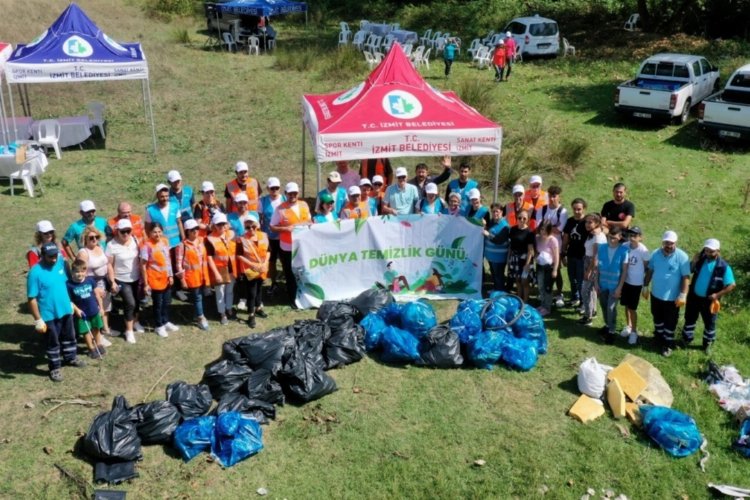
(186, 208)
(611, 270)
(170, 227)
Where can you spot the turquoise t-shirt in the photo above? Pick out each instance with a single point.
(402, 201)
(701, 283)
(48, 285)
(75, 231)
(668, 271)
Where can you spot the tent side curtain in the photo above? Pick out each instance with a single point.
(261, 7)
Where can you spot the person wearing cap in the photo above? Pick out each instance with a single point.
(92, 254)
(355, 208)
(431, 204)
(371, 167)
(252, 265)
(192, 269)
(462, 186)
(619, 211)
(365, 186)
(237, 219)
(124, 271)
(536, 197)
(496, 237)
(242, 183)
(167, 214)
(325, 213)
(125, 211)
(221, 249)
(87, 209)
(181, 195)
(574, 249)
(337, 192)
(290, 214)
(638, 256)
(422, 177)
(268, 204)
(712, 279)
(515, 207)
(45, 233)
(378, 191)
(400, 198)
(477, 213)
(349, 177)
(510, 53)
(498, 60)
(449, 54)
(669, 270)
(156, 268)
(206, 208)
(557, 215)
(52, 311)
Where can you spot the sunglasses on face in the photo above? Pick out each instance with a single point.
(523, 218)
(93, 238)
(275, 188)
(125, 231)
(48, 233)
(377, 183)
(90, 212)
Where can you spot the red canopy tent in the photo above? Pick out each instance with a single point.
(5, 51)
(395, 113)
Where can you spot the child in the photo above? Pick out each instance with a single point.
(631, 290)
(554, 212)
(611, 262)
(156, 268)
(588, 291)
(192, 269)
(86, 300)
(498, 60)
(547, 264)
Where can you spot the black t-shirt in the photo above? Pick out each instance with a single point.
(577, 235)
(520, 239)
(617, 213)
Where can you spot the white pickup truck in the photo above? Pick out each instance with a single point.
(726, 114)
(667, 86)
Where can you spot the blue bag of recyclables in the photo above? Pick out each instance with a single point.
(466, 323)
(530, 325)
(475, 305)
(494, 315)
(485, 349)
(391, 313)
(194, 436)
(399, 346)
(374, 325)
(238, 436)
(743, 443)
(510, 302)
(674, 431)
(418, 318)
(520, 354)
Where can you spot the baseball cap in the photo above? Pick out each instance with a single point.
(174, 176)
(273, 182)
(207, 186)
(334, 176)
(326, 198)
(431, 188)
(44, 226)
(241, 197)
(401, 172)
(365, 182)
(508, 34)
(50, 249)
(291, 187)
(219, 218)
(712, 244)
(500, 42)
(252, 217)
(354, 190)
(190, 224)
(241, 166)
(634, 230)
(378, 178)
(161, 187)
(535, 179)
(124, 224)
(670, 236)
(474, 194)
(518, 189)
(87, 206)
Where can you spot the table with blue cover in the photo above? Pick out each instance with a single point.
(379, 29)
(404, 36)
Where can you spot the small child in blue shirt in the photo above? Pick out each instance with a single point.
(86, 300)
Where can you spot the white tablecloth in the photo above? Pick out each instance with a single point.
(36, 162)
(22, 125)
(379, 29)
(404, 36)
(73, 130)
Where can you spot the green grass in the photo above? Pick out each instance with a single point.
(405, 432)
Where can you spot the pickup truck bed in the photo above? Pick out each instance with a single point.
(645, 83)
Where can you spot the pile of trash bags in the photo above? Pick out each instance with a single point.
(733, 394)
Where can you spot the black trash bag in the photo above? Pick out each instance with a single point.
(336, 313)
(157, 421)
(371, 300)
(115, 473)
(346, 346)
(110, 494)
(261, 386)
(113, 436)
(441, 347)
(267, 349)
(309, 337)
(243, 404)
(225, 376)
(305, 381)
(191, 400)
(231, 351)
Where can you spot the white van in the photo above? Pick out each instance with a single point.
(535, 35)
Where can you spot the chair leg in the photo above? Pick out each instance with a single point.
(101, 130)
(57, 151)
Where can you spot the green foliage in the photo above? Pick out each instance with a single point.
(342, 63)
(165, 9)
(181, 35)
(297, 60)
(477, 94)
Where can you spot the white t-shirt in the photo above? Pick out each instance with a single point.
(557, 216)
(637, 261)
(591, 243)
(126, 265)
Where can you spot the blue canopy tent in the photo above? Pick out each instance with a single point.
(74, 49)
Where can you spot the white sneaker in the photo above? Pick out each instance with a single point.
(181, 295)
(559, 302)
(626, 331)
(105, 342)
(161, 332)
(633, 338)
(138, 327)
(171, 327)
(242, 305)
(129, 337)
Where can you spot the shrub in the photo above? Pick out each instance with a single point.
(182, 35)
(341, 64)
(165, 9)
(297, 60)
(477, 94)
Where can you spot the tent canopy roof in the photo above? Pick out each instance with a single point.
(261, 7)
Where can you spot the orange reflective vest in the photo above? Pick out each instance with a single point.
(195, 263)
(359, 211)
(206, 212)
(540, 202)
(255, 250)
(158, 267)
(287, 217)
(510, 212)
(252, 190)
(225, 250)
(376, 166)
(135, 220)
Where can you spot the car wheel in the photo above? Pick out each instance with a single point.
(685, 112)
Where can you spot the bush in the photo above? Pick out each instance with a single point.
(298, 60)
(341, 64)
(165, 9)
(479, 95)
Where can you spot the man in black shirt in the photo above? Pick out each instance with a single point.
(421, 179)
(618, 212)
(573, 250)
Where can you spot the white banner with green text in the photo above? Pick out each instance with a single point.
(432, 256)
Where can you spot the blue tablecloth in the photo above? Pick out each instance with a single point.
(379, 29)
(404, 36)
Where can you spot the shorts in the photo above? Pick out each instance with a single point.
(631, 296)
(82, 326)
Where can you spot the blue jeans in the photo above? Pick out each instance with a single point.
(609, 304)
(575, 276)
(161, 299)
(195, 295)
(497, 273)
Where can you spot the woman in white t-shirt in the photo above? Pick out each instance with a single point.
(634, 276)
(124, 270)
(588, 291)
(92, 254)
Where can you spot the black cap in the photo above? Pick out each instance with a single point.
(50, 249)
(635, 230)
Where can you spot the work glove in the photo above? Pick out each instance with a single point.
(40, 326)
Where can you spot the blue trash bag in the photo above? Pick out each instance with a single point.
(466, 323)
(530, 325)
(399, 346)
(418, 318)
(676, 432)
(391, 314)
(194, 436)
(475, 305)
(485, 349)
(237, 437)
(374, 325)
(494, 316)
(520, 354)
(742, 444)
(512, 306)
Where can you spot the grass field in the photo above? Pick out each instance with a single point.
(404, 432)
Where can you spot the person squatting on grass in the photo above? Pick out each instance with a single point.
(611, 262)
(86, 300)
(638, 256)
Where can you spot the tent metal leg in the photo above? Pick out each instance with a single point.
(150, 110)
(304, 169)
(497, 177)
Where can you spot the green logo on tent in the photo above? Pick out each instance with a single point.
(75, 46)
(400, 104)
